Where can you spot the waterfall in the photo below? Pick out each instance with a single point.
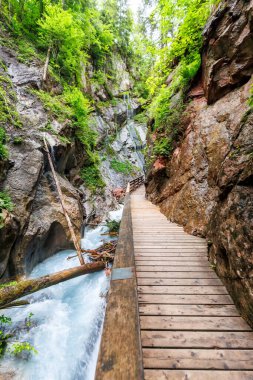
(132, 131)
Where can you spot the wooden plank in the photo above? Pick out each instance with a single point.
(146, 249)
(170, 255)
(167, 244)
(196, 375)
(184, 309)
(165, 240)
(182, 289)
(172, 252)
(169, 248)
(197, 339)
(171, 268)
(193, 323)
(186, 299)
(180, 260)
(154, 274)
(120, 353)
(198, 359)
(179, 281)
(201, 310)
(201, 263)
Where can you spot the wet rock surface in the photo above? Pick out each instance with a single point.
(207, 184)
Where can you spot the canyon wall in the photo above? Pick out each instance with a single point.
(36, 227)
(207, 183)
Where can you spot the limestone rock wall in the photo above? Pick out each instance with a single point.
(36, 228)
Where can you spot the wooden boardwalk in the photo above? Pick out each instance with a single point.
(190, 328)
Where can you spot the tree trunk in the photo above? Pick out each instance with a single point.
(41, 7)
(29, 286)
(46, 64)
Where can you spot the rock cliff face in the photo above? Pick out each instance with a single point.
(207, 184)
(36, 228)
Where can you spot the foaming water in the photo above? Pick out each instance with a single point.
(68, 320)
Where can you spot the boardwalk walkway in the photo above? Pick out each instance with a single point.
(190, 328)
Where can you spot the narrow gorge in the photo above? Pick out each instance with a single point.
(117, 90)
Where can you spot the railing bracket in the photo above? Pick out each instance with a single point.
(122, 273)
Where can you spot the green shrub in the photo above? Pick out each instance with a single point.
(8, 112)
(123, 167)
(163, 146)
(18, 140)
(113, 225)
(141, 118)
(251, 97)
(92, 178)
(73, 106)
(5, 204)
(8, 338)
(3, 149)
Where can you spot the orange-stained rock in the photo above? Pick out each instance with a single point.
(118, 193)
(160, 163)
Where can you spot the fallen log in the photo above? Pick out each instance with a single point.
(23, 288)
(15, 304)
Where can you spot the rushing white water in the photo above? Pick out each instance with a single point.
(68, 320)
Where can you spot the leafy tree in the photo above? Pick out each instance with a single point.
(62, 34)
(117, 15)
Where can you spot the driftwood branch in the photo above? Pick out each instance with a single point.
(104, 253)
(23, 288)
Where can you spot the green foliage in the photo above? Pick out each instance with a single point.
(176, 62)
(6, 284)
(116, 14)
(141, 118)
(63, 34)
(3, 149)
(251, 97)
(92, 178)
(166, 109)
(26, 50)
(74, 107)
(5, 201)
(163, 146)
(18, 140)
(123, 167)
(8, 113)
(19, 348)
(5, 204)
(8, 339)
(113, 226)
